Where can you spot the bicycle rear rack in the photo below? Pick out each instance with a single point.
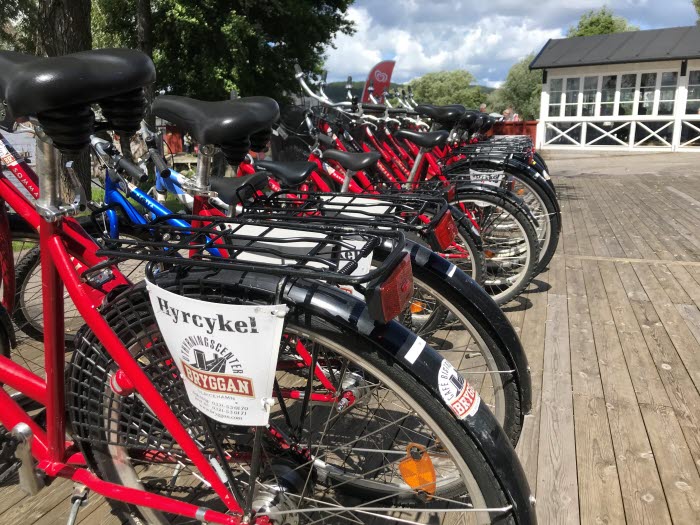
(301, 246)
(408, 212)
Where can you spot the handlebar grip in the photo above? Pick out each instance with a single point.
(297, 69)
(131, 169)
(160, 163)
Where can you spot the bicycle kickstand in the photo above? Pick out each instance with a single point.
(78, 499)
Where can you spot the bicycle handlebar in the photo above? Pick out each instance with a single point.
(131, 169)
(159, 162)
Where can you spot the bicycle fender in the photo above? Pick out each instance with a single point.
(484, 309)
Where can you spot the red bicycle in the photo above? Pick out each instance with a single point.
(399, 433)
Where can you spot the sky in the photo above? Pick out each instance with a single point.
(484, 37)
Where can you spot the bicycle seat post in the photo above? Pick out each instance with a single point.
(203, 173)
(49, 182)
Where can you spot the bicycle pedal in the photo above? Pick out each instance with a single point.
(31, 480)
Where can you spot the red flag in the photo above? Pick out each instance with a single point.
(380, 77)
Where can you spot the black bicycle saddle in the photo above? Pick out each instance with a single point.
(221, 122)
(352, 161)
(442, 114)
(289, 173)
(234, 190)
(228, 124)
(426, 139)
(33, 85)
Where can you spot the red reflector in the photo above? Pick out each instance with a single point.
(392, 296)
(451, 193)
(445, 232)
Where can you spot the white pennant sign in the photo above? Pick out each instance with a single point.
(227, 354)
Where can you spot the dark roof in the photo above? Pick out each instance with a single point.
(675, 43)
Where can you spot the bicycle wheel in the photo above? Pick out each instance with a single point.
(466, 255)
(28, 314)
(339, 461)
(544, 210)
(509, 239)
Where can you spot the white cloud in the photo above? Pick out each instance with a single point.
(485, 38)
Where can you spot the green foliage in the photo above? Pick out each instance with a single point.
(448, 87)
(601, 22)
(205, 48)
(522, 90)
(19, 25)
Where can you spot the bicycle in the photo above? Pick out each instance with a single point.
(121, 352)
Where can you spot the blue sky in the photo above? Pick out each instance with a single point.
(485, 38)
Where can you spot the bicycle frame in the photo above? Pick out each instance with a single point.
(66, 250)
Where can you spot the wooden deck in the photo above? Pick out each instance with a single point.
(612, 332)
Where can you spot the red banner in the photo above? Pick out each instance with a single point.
(380, 77)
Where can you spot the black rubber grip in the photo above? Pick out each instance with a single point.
(132, 170)
(160, 163)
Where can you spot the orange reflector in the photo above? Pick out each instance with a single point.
(417, 469)
(521, 191)
(417, 307)
(489, 254)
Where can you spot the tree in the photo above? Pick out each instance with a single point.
(601, 22)
(696, 4)
(206, 49)
(448, 87)
(522, 90)
(65, 28)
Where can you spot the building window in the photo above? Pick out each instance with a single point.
(571, 97)
(692, 107)
(647, 91)
(590, 88)
(607, 95)
(555, 89)
(628, 84)
(667, 93)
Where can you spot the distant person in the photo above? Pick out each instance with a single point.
(482, 108)
(187, 140)
(509, 115)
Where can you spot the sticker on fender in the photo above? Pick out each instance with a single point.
(459, 395)
(226, 353)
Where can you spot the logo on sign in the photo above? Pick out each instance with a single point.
(211, 366)
(459, 395)
(380, 76)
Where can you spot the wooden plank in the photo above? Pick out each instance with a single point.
(686, 345)
(642, 493)
(608, 236)
(598, 484)
(532, 339)
(670, 285)
(584, 360)
(619, 340)
(680, 480)
(685, 280)
(557, 489)
(623, 233)
(31, 509)
(691, 314)
(679, 386)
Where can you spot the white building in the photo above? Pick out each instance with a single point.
(625, 91)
